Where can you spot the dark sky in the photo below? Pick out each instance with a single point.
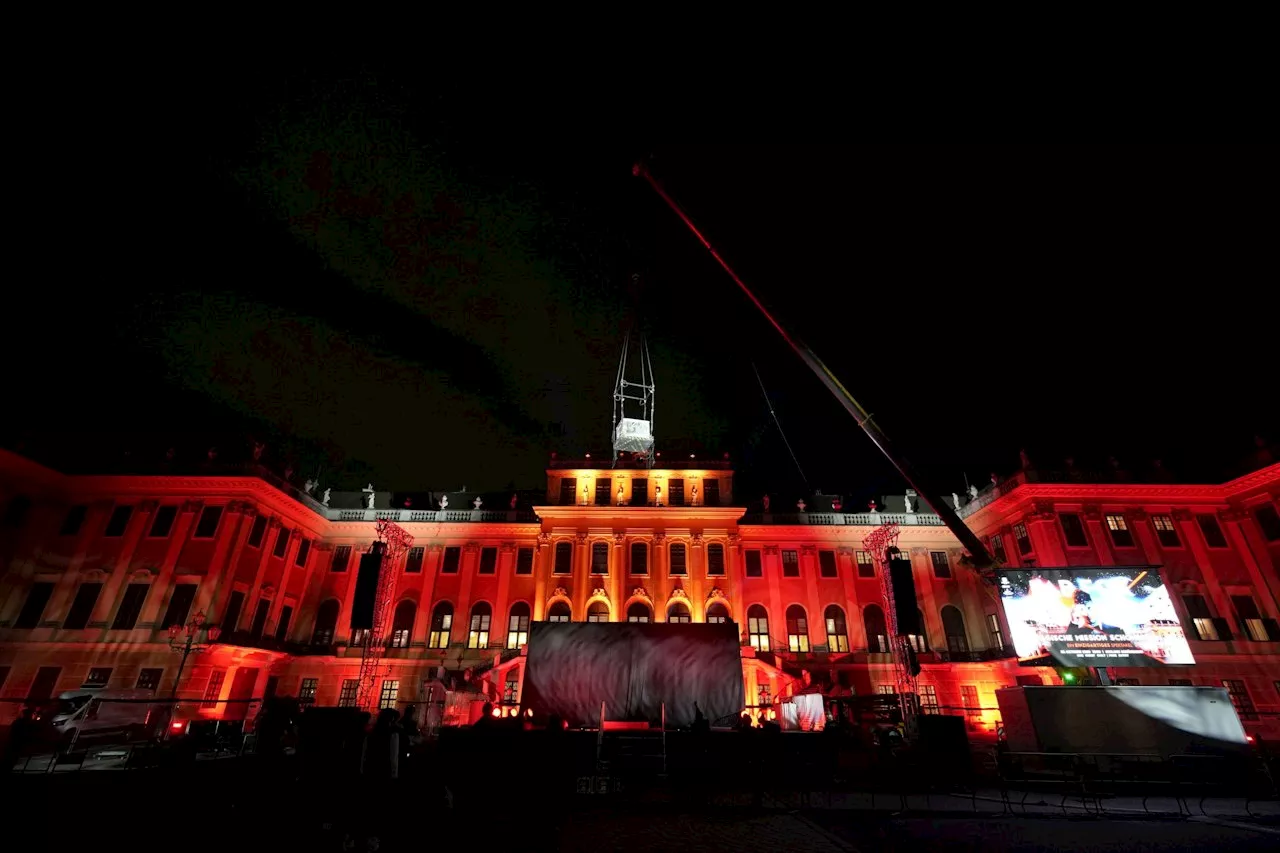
(427, 287)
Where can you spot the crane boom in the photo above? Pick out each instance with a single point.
(978, 555)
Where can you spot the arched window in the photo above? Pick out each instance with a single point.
(837, 630)
(758, 627)
(953, 627)
(441, 626)
(877, 630)
(919, 642)
(402, 624)
(511, 688)
(638, 612)
(598, 611)
(797, 629)
(678, 611)
(679, 566)
(717, 613)
(326, 622)
(559, 612)
(478, 635)
(518, 625)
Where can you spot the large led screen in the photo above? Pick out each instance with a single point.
(1092, 617)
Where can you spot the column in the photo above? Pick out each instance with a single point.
(222, 565)
(255, 589)
(1099, 536)
(813, 603)
(342, 633)
(309, 601)
(1264, 582)
(60, 603)
(139, 521)
(502, 605)
(659, 571)
(467, 570)
(290, 564)
(922, 567)
(697, 573)
(580, 584)
(737, 593)
(543, 557)
(617, 570)
(426, 597)
(1144, 536)
(1189, 530)
(1046, 546)
(773, 574)
(160, 586)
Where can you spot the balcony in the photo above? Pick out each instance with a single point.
(248, 640)
(452, 516)
(852, 519)
(627, 463)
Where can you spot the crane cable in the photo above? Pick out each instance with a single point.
(769, 403)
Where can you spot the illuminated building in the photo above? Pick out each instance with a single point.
(97, 568)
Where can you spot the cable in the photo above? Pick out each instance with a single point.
(768, 403)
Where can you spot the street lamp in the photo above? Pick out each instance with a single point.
(186, 639)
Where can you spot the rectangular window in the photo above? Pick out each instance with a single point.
(797, 631)
(1166, 532)
(74, 520)
(1269, 520)
(679, 566)
(304, 549)
(208, 524)
(441, 629)
(162, 523)
(390, 692)
(341, 558)
(149, 678)
(213, 689)
(1023, 540)
(518, 629)
(1073, 530)
(941, 565)
(885, 690)
(119, 521)
(1240, 698)
(1212, 532)
(347, 696)
(307, 691)
(1250, 619)
(130, 606)
(33, 608)
(639, 491)
(993, 628)
(1120, 533)
(478, 636)
(82, 607)
(711, 491)
(997, 547)
(1202, 622)
(282, 628)
(568, 491)
(755, 566)
(98, 677)
(231, 616)
(929, 700)
(603, 487)
(179, 605)
(827, 564)
(639, 558)
(715, 560)
(452, 559)
(866, 566)
(282, 542)
(524, 561)
(413, 563)
(675, 492)
(599, 558)
(790, 564)
(969, 699)
(564, 558)
(259, 622)
(258, 531)
(488, 561)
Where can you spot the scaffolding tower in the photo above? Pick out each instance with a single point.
(882, 544)
(393, 542)
(633, 406)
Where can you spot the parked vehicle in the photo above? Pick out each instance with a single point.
(95, 715)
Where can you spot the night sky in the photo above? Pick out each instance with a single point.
(395, 280)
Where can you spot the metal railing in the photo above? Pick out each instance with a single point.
(852, 519)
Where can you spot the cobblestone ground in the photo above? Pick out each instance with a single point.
(724, 832)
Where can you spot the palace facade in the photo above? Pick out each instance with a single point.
(96, 570)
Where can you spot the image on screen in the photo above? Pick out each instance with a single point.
(1092, 617)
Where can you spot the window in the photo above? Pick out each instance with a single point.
(347, 696)
(282, 627)
(1240, 698)
(953, 627)
(755, 567)
(74, 520)
(1166, 532)
(717, 614)
(877, 629)
(82, 607)
(886, 690)
(866, 566)
(307, 691)
(598, 611)
(797, 629)
(559, 612)
(638, 611)
(511, 687)
(390, 691)
(603, 487)
(1202, 621)
(282, 543)
(679, 563)
(259, 623)
(564, 558)
(678, 612)
(919, 642)
(997, 547)
(1269, 520)
(1179, 682)
(758, 628)
(568, 491)
(827, 564)
(524, 561)
(790, 564)
(599, 558)
(163, 521)
(488, 561)
(639, 558)
(675, 492)
(441, 626)
(98, 677)
(304, 549)
(639, 491)
(402, 624)
(1250, 619)
(1212, 532)
(941, 566)
(929, 699)
(711, 491)
(341, 558)
(993, 629)
(149, 678)
(130, 606)
(518, 625)
(119, 521)
(413, 562)
(326, 623)
(837, 630)
(1023, 540)
(452, 559)
(969, 699)
(478, 635)
(715, 560)
(1073, 530)
(208, 524)
(259, 530)
(1120, 533)
(179, 605)
(213, 689)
